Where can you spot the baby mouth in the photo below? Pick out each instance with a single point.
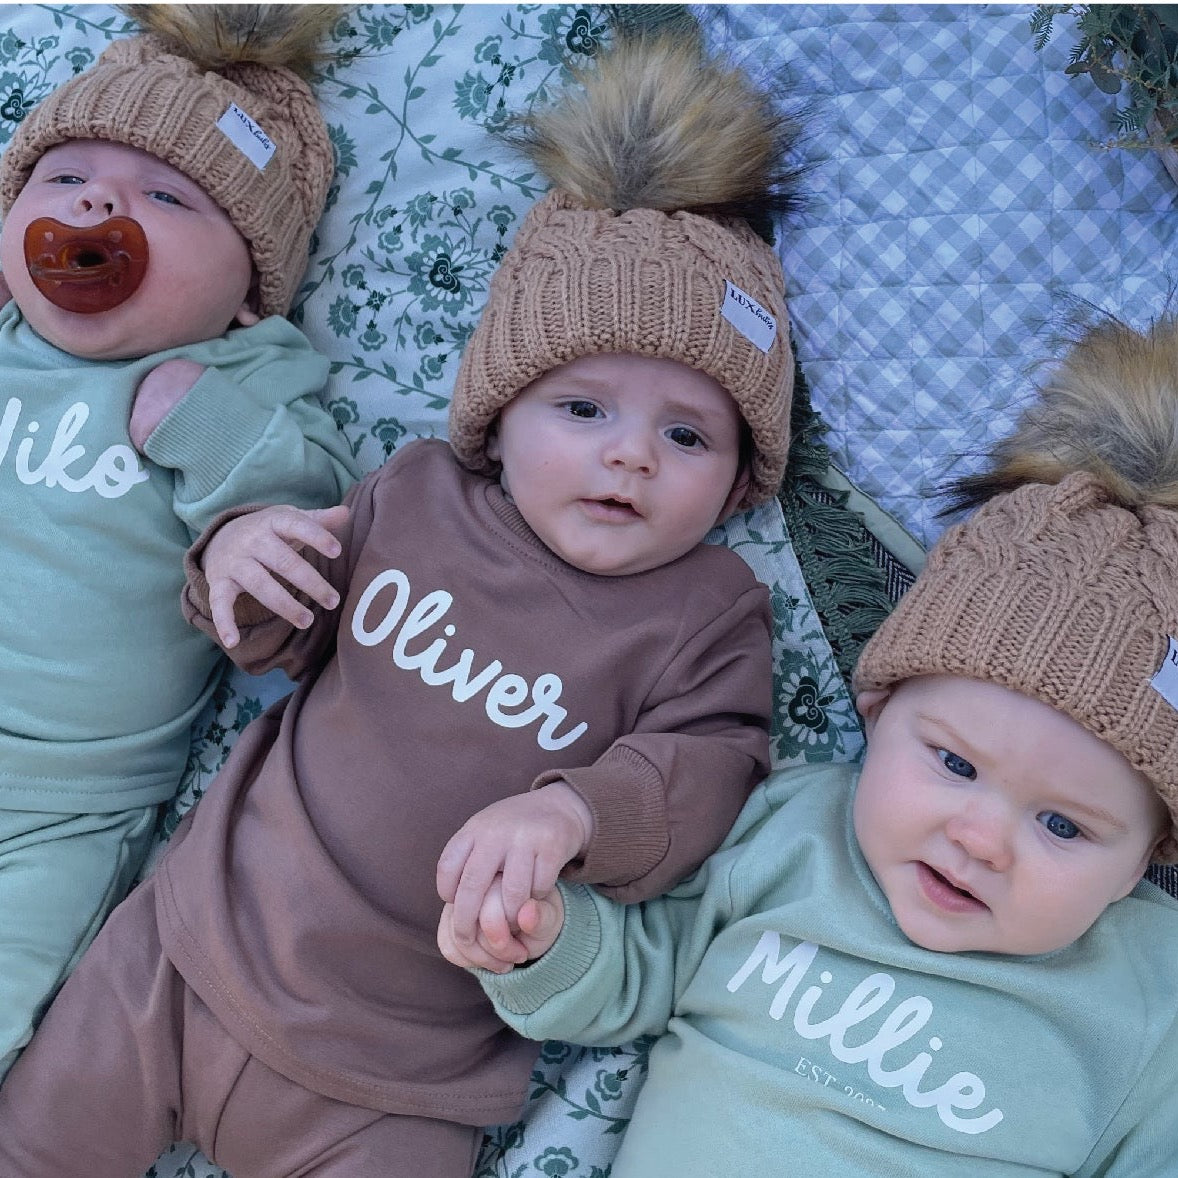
(86, 269)
(944, 893)
(611, 509)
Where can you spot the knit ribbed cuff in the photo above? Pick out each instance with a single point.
(208, 433)
(625, 794)
(525, 989)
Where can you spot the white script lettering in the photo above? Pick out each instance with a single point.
(112, 474)
(962, 1092)
(508, 695)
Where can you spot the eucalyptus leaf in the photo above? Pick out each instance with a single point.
(1104, 78)
(1126, 49)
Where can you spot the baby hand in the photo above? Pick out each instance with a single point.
(249, 553)
(517, 846)
(159, 392)
(499, 947)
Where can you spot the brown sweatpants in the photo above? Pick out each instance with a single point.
(129, 1059)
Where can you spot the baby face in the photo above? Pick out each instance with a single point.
(199, 268)
(621, 463)
(993, 822)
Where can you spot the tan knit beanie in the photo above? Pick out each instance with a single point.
(637, 248)
(1059, 593)
(1064, 582)
(250, 134)
(579, 281)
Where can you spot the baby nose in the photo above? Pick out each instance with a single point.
(96, 196)
(631, 452)
(984, 834)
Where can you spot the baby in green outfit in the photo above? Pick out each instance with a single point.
(944, 962)
(157, 213)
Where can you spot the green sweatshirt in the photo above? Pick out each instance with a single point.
(802, 1033)
(102, 677)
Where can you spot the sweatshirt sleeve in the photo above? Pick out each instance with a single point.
(617, 971)
(253, 429)
(614, 972)
(266, 640)
(664, 797)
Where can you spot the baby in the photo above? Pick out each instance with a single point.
(515, 657)
(152, 240)
(945, 963)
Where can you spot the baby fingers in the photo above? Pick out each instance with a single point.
(260, 554)
(498, 955)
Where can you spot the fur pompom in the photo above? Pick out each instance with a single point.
(217, 35)
(1108, 407)
(655, 123)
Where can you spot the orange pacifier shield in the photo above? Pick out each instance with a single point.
(86, 268)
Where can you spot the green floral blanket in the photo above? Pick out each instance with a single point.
(423, 204)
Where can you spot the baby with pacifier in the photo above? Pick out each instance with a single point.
(157, 210)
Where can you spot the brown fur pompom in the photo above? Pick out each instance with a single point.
(217, 35)
(654, 123)
(1108, 407)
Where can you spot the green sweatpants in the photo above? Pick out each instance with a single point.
(60, 875)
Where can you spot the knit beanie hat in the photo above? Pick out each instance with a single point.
(644, 246)
(1066, 589)
(210, 99)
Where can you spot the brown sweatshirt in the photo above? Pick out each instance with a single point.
(465, 663)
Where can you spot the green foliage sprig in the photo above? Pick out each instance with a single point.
(1131, 48)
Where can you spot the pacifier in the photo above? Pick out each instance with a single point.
(86, 268)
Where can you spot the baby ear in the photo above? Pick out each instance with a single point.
(247, 315)
(739, 489)
(870, 703)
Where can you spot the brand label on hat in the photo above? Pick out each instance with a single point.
(1165, 682)
(748, 317)
(247, 136)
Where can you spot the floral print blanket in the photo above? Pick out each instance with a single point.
(423, 205)
(913, 305)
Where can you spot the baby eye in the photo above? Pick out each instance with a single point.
(955, 764)
(582, 409)
(66, 178)
(165, 198)
(1061, 827)
(683, 436)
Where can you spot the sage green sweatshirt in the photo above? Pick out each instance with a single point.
(100, 675)
(803, 1033)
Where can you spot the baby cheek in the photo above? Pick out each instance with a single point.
(862, 814)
